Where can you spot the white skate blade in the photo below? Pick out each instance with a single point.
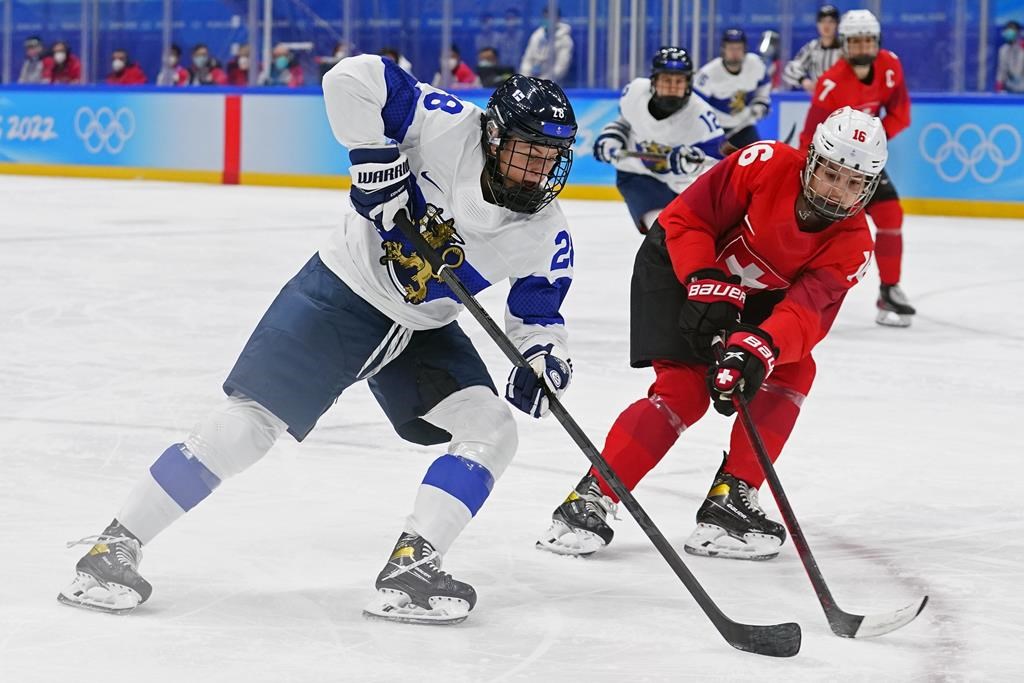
(711, 540)
(893, 319)
(562, 539)
(391, 605)
(88, 593)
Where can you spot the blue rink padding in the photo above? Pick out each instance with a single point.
(318, 338)
(962, 152)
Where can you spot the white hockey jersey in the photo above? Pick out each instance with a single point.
(371, 102)
(694, 125)
(731, 93)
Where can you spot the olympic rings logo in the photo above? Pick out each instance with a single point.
(104, 129)
(985, 160)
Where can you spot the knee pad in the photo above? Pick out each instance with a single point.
(481, 426)
(234, 436)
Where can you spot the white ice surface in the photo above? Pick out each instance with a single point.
(123, 305)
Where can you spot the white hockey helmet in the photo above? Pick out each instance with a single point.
(859, 22)
(844, 163)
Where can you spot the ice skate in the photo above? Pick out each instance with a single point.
(107, 578)
(894, 309)
(731, 523)
(578, 525)
(412, 588)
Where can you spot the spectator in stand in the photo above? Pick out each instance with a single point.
(461, 76)
(549, 50)
(172, 73)
(284, 69)
(817, 56)
(509, 42)
(395, 56)
(32, 67)
(238, 67)
(205, 69)
(490, 71)
(1010, 70)
(123, 71)
(62, 67)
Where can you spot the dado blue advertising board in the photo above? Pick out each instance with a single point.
(961, 155)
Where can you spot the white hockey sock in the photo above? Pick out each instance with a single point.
(148, 510)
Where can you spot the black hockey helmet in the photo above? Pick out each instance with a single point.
(734, 35)
(535, 111)
(671, 60)
(828, 11)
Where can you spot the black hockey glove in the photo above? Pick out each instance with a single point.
(746, 362)
(714, 302)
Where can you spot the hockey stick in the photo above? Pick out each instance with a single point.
(779, 640)
(643, 156)
(843, 623)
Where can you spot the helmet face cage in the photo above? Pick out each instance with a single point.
(526, 157)
(672, 60)
(841, 181)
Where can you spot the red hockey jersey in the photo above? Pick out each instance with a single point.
(740, 217)
(840, 87)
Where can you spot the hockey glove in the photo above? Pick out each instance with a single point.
(746, 362)
(714, 302)
(382, 185)
(524, 390)
(684, 159)
(610, 142)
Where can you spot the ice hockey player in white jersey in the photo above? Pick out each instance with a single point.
(367, 306)
(663, 138)
(738, 86)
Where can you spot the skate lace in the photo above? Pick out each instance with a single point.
(428, 559)
(127, 550)
(749, 496)
(601, 505)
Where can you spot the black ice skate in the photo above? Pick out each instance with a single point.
(894, 309)
(412, 588)
(730, 523)
(578, 525)
(107, 577)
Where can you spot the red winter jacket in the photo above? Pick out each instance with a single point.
(130, 75)
(69, 72)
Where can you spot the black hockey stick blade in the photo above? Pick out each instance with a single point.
(843, 623)
(778, 640)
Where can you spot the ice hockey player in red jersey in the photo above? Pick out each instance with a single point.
(871, 79)
(764, 247)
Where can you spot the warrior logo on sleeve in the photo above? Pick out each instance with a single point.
(412, 274)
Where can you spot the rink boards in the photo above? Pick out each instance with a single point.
(961, 155)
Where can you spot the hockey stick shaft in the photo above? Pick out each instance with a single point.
(780, 640)
(644, 156)
(842, 623)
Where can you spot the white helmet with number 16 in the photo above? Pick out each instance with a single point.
(844, 163)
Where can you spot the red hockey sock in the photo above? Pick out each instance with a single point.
(888, 218)
(774, 412)
(646, 430)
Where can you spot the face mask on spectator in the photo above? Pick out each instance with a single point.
(171, 60)
(60, 56)
(200, 61)
(1009, 34)
(281, 62)
(451, 63)
(485, 64)
(243, 62)
(341, 54)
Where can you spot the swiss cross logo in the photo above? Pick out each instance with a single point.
(725, 378)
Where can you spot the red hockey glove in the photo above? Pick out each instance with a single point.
(748, 359)
(714, 302)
